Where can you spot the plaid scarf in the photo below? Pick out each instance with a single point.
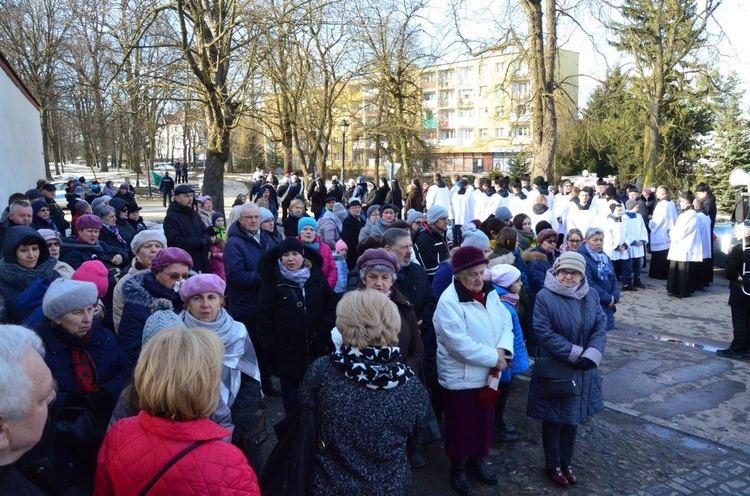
(84, 370)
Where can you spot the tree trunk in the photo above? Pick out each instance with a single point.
(44, 117)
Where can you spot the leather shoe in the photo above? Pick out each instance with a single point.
(628, 288)
(460, 483)
(556, 476)
(638, 284)
(416, 460)
(478, 471)
(568, 473)
(506, 437)
(729, 353)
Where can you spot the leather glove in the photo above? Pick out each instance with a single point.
(584, 363)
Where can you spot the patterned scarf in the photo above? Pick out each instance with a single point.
(114, 231)
(511, 298)
(375, 367)
(298, 277)
(84, 370)
(603, 269)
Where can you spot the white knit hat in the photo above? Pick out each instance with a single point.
(144, 237)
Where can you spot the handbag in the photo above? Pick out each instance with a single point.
(290, 466)
(169, 464)
(81, 429)
(556, 378)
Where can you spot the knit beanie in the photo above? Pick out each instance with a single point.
(474, 237)
(49, 234)
(630, 205)
(387, 206)
(81, 206)
(146, 236)
(162, 317)
(265, 215)
(413, 216)
(341, 245)
(546, 233)
(291, 244)
(378, 256)
(503, 213)
(570, 260)
(38, 205)
(88, 221)
(93, 271)
(118, 204)
(101, 200)
(218, 215)
(66, 295)
(169, 256)
(306, 221)
(371, 209)
(340, 211)
(467, 257)
(202, 283)
(504, 275)
(435, 213)
(125, 186)
(541, 226)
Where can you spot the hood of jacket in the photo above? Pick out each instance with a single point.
(268, 265)
(539, 208)
(134, 290)
(18, 234)
(529, 256)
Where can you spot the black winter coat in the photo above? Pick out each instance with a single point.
(412, 282)
(294, 323)
(184, 229)
(138, 294)
(431, 249)
(241, 256)
(58, 216)
(350, 234)
(74, 253)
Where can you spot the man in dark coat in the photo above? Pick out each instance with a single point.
(316, 194)
(20, 213)
(352, 224)
(430, 243)
(739, 301)
(166, 188)
(336, 190)
(57, 214)
(184, 229)
(246, 243)
(703, 192)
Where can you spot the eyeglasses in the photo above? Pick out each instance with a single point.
(177, 277)
(53, 243)
(568, 273)
(249, 217)
(575, 240)
(549, 241)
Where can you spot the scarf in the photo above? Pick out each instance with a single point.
(383, 224)
(604, 270)
(298, 277)
(525, 239)
(476, 295)
(315, 245)
(50, 223)
(375, 367)
(551, 283)
(239, 353)
(84, 370)
(113, 230)
(511, 298)
(18, 277)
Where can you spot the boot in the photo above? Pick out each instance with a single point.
(638, 284)
(458, 479)
(477, 470)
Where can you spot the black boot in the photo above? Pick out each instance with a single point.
(477, 470)
(638, 284)
(458, 479)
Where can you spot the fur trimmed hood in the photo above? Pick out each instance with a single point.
(267, 265)
(529, 256)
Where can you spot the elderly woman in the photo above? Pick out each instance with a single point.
(90, 370)
(110, 233)
(379, 226)
(475, 340)
(206, 210)
(169, 269)
(174, 421)
(85, 246)
(366, 453)
(296, 311)
(571, 327)
(53, 240)
(600, 273)
(42, 216)
(26, 258)
(203, 296)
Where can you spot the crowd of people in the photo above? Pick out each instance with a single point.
(150, 348)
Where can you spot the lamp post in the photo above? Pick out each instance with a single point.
(343, 126)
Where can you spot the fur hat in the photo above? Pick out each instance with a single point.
(146, 236)
(162, 317)
(435, 213)
(93, 271)
(66, 295)
(467, 257)
(570, 260)
(202, 283)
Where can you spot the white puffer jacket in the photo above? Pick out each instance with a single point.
(468, 335)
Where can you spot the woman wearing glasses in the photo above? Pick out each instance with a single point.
(42, 216)
(570, 326)
(573, 241)
(600, 273)
(169, 268)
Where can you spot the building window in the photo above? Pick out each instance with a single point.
(499, 111)
(499, 132)
(466, 114)
(521, 90)
(468, 134)
(428, 96)
(446, 134)
(428, 77)
(484, 133)
(482, 90)
(483, 112)
(520, 131)
(447, 77)
(446, 98)
(499, 68)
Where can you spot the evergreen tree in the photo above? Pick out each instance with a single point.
(517, 166)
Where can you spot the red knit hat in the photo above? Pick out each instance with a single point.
(467, 257)
(93, 271)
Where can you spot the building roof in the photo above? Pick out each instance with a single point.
(5, 66)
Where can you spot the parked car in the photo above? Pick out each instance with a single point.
(722, 245)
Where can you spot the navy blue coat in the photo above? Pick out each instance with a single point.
(605, 288)
(138, 294)
(567, 328)
(241, 255)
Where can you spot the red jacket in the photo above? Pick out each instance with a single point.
(136, 448)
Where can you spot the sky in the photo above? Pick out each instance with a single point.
(730, 35)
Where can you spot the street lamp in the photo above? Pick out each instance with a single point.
(343, 126)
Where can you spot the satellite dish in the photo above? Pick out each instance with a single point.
(585, 173)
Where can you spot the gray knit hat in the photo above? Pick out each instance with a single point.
(265, 215)
(371, 209)
(474, 237)
(340, 211)
(435, 213)
(66, 295)
(162, 317)
(413, 216)
(147, 236)
(503, 213)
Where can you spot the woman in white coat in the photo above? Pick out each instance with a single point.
(475, 340)
(685, 251)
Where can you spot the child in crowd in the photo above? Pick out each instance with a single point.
(219, 226)
(340, 258)
(217, 247)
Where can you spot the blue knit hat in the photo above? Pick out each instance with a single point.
(306, 221)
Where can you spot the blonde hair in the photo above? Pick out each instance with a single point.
(296, 202)
(179, 372)
(262, 202)
(367, 318)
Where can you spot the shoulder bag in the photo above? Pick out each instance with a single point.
(290, 466)
(169, 464)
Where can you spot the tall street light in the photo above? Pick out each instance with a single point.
(343, 126)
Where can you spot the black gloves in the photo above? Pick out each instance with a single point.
(584, 363)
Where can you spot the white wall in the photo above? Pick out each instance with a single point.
(21, 152)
